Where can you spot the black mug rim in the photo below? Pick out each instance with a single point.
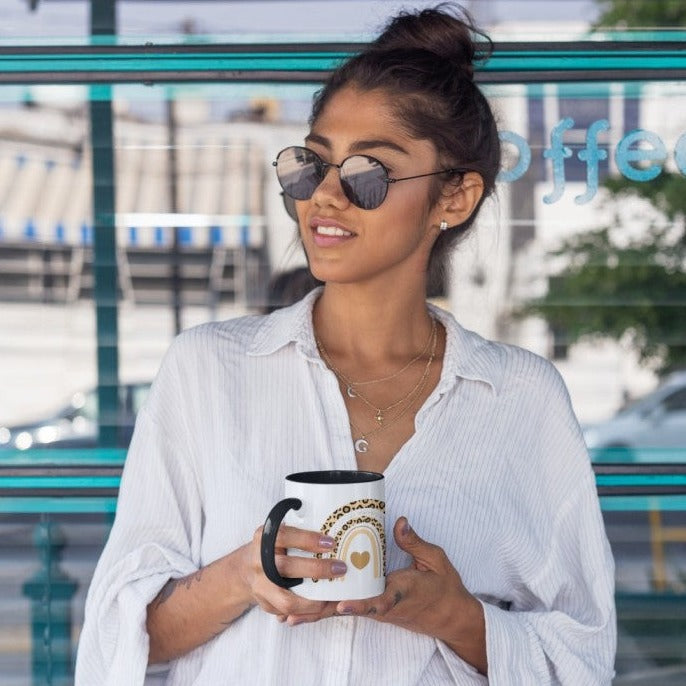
(335, 476)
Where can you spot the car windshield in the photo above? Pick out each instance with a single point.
(671, 394)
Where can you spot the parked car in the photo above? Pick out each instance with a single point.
(76, 424)
(651, 429)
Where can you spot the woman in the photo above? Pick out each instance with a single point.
(500, 571)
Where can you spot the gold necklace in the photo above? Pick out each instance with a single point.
(362, 443)
(351, 384)
(379, 412)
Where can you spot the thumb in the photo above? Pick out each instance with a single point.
(426, 555)
(406, 537)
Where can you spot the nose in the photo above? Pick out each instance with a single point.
(330, 190)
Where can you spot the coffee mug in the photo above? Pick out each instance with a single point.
(348, 506)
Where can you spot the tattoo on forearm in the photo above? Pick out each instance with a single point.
(171, 585)
(166, 591)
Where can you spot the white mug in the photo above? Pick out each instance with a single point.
(348, 506)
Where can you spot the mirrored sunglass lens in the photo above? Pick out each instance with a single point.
(299, 172)
(364, 181)
(289, 205)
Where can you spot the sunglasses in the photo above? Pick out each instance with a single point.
(289, 206)
(364, 179)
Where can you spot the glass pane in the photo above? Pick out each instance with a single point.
(47, 327)
(581, 258)
(46, 563)
(649, 546)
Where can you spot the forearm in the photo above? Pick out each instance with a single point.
(192, 610)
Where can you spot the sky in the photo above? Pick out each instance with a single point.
(69, 18)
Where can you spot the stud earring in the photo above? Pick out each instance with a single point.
(443, 225)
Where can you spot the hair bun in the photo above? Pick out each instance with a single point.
(447, 31)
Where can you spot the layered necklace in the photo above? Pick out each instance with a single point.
(402, 406)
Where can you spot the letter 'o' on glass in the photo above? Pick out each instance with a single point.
(524, 160)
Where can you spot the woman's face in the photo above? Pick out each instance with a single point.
(346, 244)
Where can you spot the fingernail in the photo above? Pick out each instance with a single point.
(295, 622)
(338, 568)
(326, 542)
(345, 611)
(406, 528)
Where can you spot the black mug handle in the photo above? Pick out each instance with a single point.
(268, 542)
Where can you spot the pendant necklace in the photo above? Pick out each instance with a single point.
(349, 385)
(361, 444)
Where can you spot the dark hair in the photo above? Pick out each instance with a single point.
(425, 61)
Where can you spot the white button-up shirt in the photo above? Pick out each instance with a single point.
(496, 474)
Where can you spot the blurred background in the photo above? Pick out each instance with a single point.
(137, 198)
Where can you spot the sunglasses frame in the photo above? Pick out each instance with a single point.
(346, 185)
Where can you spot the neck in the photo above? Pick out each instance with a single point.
(356, 323)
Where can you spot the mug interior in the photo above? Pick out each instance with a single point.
(335, 476)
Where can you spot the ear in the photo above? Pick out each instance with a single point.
(458, 199)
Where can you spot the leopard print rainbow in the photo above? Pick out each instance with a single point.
(358, 531)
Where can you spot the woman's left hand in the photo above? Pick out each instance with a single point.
(428, 597)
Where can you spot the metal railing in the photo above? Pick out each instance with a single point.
(48, 484)
(105, 61)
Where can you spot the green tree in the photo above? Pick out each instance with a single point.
(630, 289)
(642, 13)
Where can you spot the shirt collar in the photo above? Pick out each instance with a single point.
(467, 355)
(292, 324)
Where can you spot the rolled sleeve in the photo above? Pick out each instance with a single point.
(154, 538)
(570, 637)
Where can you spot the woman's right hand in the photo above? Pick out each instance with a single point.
(190, 611)
(280, 601)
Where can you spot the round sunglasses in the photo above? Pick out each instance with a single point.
(289, 206)
(364, 179)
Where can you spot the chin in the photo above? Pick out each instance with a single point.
(331, 275)
(322, 270)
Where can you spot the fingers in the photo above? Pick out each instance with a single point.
(284, 604)
(291, 537)
(329, 610)
(378, 607)
(427, 556)
(293, 566)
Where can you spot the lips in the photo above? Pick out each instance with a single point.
(327, 232)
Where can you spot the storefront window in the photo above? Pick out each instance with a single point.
(580, 258)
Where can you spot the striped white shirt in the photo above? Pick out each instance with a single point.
(496, 474)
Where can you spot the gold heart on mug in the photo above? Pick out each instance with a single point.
(360, 560)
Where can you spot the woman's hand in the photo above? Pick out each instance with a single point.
(285, 604)
(190, 611)
(428, 597)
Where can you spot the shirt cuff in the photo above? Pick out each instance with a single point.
(512, 648)
(459, 669)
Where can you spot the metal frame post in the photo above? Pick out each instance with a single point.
(103, 23)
